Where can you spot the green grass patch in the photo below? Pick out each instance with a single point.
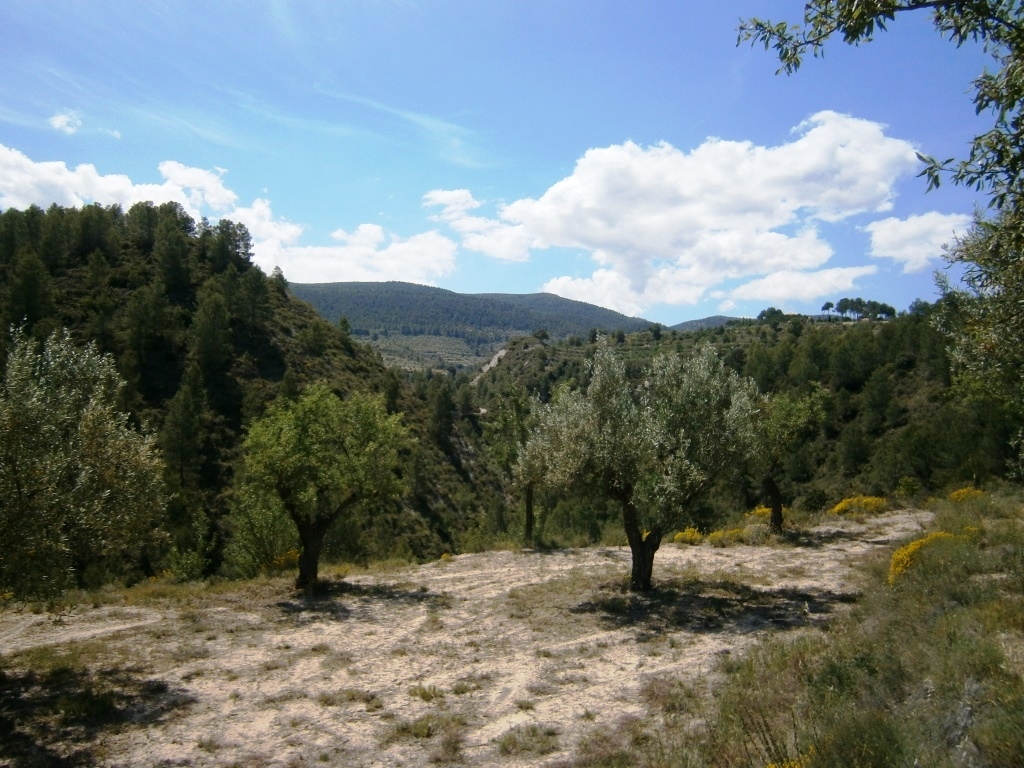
(529, 739)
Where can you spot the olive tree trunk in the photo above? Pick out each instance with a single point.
(311, 542)
(528, 533)
(641, 547)
(775, 501)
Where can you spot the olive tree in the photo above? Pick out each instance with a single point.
(321, 457)
(80, 488)
(782, 422)
(653, 447)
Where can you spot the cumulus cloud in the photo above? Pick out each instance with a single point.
(67, 122)
(204, 188)
(665, 226)
(791, 285)
(500, 240)
(367, 253)
(916, 240)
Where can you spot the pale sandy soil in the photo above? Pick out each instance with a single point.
(262, 676)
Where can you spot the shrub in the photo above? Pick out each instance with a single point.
(689, 536)
(725, 538)
(287, 560)
(428, 693)
(903, 557)
(908, 488)
(863, 505)
(262, 538)
(799, 762)
(965, 494)
(540, 740)
(755, 534)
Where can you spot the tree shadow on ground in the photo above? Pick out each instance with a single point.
(817, 539)
(324, 601)
(709, 606)
(55, 718)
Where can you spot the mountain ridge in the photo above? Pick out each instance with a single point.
(417, 326)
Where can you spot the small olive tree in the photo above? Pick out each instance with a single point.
(321, 457)
(81, 489)
(782, 422)
(653, 447)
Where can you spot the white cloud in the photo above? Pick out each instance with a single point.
(917, 240)
(605, 287)
(259, 220)
(791, 285)
(367, 253)
(479, 233)
(663, 225)
(204, 188)
(67, 122)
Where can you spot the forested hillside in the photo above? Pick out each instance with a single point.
(205, 341)
(414, 325)
(891, 423)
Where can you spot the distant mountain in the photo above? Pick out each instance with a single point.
(417, 326)
(411, 310)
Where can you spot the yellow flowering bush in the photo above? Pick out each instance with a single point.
(688, 536)
(964, 494)
(762, 513)
(903, 557)
(289, 559)
(725, 538)
(865, 505)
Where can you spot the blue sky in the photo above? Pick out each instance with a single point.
(625, 154)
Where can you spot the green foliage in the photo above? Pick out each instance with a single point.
(80, 489)
(319, 458)
(784, 422)
(984, 315)
(261, 533)
(654, 447)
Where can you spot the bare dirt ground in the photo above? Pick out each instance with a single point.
(493, 659)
